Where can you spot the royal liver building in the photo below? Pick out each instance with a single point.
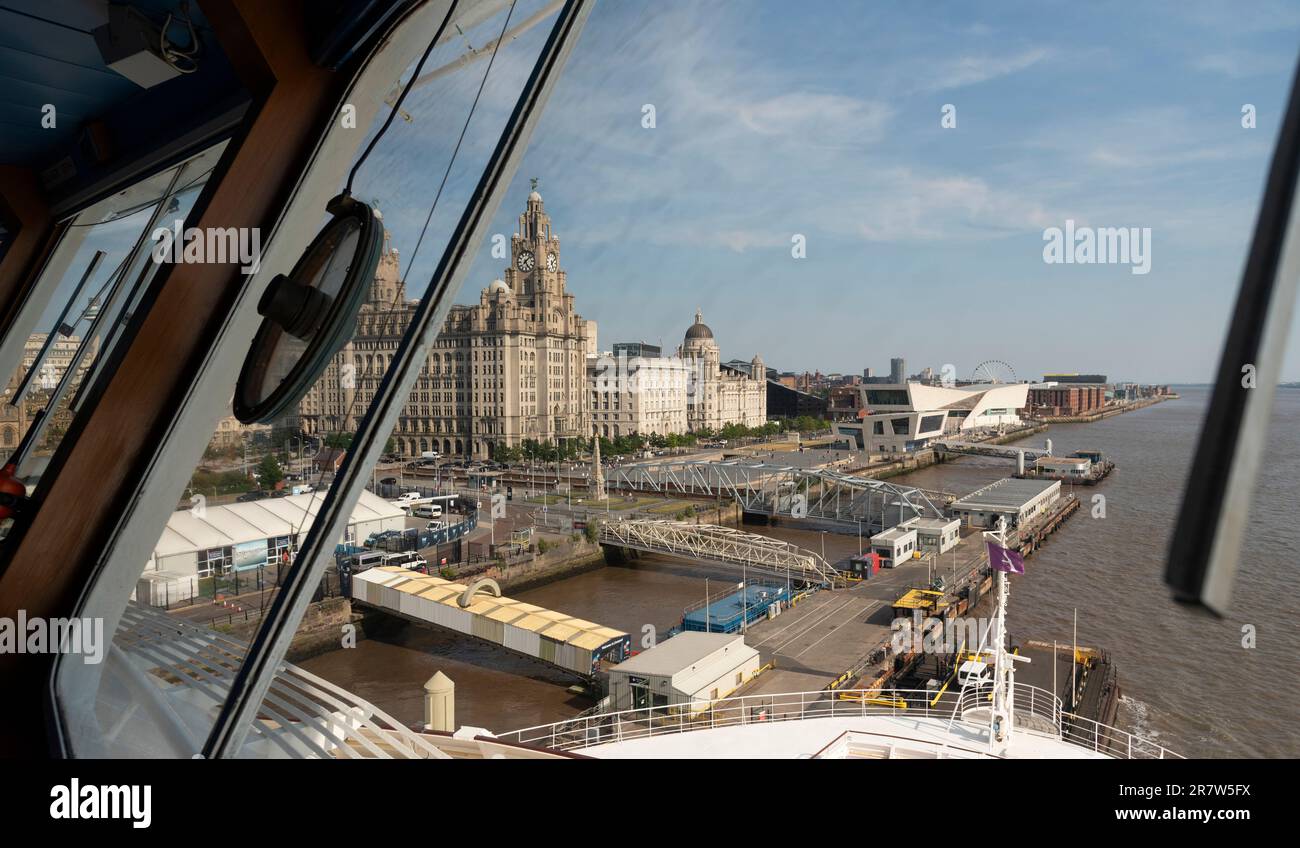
(509, 368)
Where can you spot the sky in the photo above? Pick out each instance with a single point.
(825, 123)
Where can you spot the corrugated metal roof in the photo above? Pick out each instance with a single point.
(554, 625)
(559, 631)
(1009, 493)
(589, 640)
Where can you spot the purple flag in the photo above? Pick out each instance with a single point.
(1005, 559)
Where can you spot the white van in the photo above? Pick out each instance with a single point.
(369, 559)
(406, 559)
(426, 511)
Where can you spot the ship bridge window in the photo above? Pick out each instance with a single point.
(273, 478)
(652, 216)
(58, 345)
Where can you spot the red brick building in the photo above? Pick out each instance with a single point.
(1061, 399)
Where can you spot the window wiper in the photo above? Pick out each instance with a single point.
(1206, 546)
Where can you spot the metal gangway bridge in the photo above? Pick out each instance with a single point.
(1002, 451)
(723, 545)
(789, 491)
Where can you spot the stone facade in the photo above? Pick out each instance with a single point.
(638, 394)
(720, 395)
(509, 368)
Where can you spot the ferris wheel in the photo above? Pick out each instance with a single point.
(994, 371)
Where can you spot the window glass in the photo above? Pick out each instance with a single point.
(78, 306)
(238, 525)
(764, 197)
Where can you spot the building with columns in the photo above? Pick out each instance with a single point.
(638, 394)
(719, 395)
(509, 368)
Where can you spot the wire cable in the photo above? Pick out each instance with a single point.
(394, 305)
(437, 36)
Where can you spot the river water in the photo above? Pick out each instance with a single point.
(1187, 680)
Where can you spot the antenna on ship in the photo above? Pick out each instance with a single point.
(1002, 717)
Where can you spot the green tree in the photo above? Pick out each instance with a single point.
(339, 440)
(269, 472)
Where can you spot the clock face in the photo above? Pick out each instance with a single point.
(526, 261)
(551, 262)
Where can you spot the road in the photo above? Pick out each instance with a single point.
(823, 636)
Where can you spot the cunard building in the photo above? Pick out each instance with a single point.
(510, 368)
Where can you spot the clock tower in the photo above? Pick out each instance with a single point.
(534, 275)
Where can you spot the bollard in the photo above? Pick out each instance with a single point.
(440, 704)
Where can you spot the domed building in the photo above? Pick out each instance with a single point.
(718, 394)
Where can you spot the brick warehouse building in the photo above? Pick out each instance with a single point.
(1058, 399)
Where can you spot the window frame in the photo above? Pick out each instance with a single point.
(1205, 549)
(71, 687)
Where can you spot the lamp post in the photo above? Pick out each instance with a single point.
(744, 597)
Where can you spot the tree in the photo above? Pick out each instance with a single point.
(341, 441)
(269, 472)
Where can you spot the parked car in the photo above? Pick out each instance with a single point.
(377, 538)
(248, 497)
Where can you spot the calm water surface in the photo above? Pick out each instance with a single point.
(1186, 678)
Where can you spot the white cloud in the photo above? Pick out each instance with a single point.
(972, 70)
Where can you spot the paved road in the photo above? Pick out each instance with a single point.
(820, 638)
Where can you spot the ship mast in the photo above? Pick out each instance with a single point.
(1002, 716)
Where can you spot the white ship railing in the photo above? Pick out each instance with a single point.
(626, 725)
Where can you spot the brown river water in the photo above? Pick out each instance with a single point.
(1187, 680)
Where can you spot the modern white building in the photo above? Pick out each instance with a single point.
(897, 418)
(203, 541)
(1019, 501)
(936, 535)
(894, 546)
(691, 669)
(1063, 466)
